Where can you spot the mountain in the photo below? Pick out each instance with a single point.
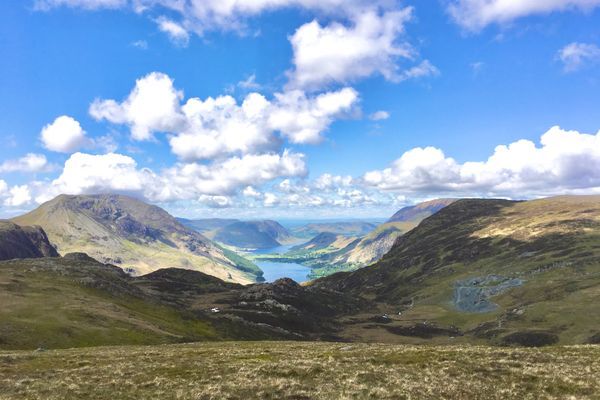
(476, 272)
(346, 228)
(207, 226)
(420, 211)
(495, 271)
(253, 234)
(133, 235)
(24, 242)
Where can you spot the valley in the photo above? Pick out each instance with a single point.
(299, 200)
(475, 272)
(502, 290)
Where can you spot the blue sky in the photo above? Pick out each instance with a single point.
(356, 110)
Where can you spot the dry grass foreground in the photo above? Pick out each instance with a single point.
(269, 370)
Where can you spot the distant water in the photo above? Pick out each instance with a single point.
(274, 270)
(277, 270)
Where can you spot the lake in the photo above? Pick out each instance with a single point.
(276, 270)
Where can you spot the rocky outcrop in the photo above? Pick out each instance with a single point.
(24, 242)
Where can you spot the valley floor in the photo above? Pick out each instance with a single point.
(290, 370)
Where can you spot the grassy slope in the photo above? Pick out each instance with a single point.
(319, 371)
(71, 303)
(552, 244)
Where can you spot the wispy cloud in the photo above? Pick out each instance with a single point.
(576, 56)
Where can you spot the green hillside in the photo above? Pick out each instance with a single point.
(491, 270)
(75, 301)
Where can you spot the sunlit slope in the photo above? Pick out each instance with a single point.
(132, 235)
(496, 270)
(287, 370)
(75, 301)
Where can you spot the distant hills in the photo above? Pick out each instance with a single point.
(133, 235)
(346, 228)
(265, 234)
(345, 253)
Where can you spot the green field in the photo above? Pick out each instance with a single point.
(292, 370)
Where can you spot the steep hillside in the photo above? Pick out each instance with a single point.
(253, 234)
(420, 211)
(207, 226)
(495, 270)
(131, 234)
(346, 228)
(24, 242)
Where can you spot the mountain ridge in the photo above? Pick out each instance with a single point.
(501, 271)
(263, 234)
(127, 232)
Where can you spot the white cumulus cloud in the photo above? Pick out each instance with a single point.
(152, 106)
(199, 16)
(337, 53)
(18, 196)
(186, 181)
(251, 192)
(209, 184)
(215, 127)
(566, 162)
(303, 119)
(220, 126)
(64, 135)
